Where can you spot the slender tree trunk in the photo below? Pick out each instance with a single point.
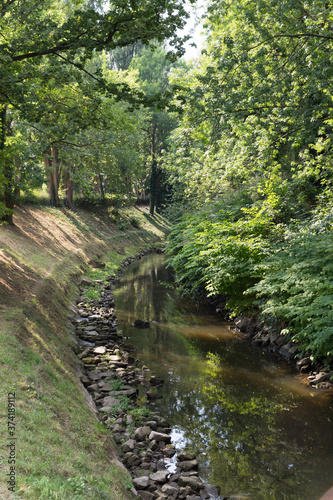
(101, 179)
(17, 191)
(51, 162)
(68, 184)
(7, 168)
(153, 174)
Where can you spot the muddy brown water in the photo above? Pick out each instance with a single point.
(258, 431)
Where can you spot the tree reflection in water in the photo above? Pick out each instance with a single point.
(255, 429)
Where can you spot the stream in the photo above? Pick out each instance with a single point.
(257, 429)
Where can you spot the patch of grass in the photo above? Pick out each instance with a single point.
(63, 452)
(140, 414)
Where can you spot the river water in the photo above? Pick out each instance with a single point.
(258, 431)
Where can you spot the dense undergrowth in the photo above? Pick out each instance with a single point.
(280, 271)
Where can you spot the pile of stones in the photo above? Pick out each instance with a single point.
(122, 393)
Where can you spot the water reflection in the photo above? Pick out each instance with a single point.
(255, 429)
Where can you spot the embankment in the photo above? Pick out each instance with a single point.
(59, 449)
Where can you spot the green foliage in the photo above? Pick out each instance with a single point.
(140, 414)
(297, 288)
(220, 251)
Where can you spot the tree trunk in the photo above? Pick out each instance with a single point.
(68, 184)
(51, 162)
(153, 174)
(17, 190)
(7, 168)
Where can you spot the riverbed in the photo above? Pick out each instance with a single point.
(257, 429)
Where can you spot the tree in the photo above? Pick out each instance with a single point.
(153, 73)
(52, 31)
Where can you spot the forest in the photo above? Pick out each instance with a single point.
(97, 106)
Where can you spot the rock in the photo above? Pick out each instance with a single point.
(128, 445)
(145, 495)
(155, 381)
(160, 476)
(273, 336)
(193, 497)
(169, 450)
(110, 401)
(114, 357)
(87, 281)
(280, 341)
(284, 350)
(90, 328)
(129, 393)
(169, 490)
(320, 377)
(152, 396)
(305, 369)
(188, 465)
(246, 324)
(185, 455)
(193, 482)
(140, 323)
(159, 436)
(99, 350)
(93, 387)
(84, 353)
(141, 482)
(153, 445)
(303, 362)
(213, 491)
(93, 333)
(142, 432)
(184, 491)
(97, 264)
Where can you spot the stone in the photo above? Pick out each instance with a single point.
(87, 281)
(128, 445)
(93, 387)
(129, 393)
(160, 476)
(169, 450)
(110, 401)
(185, 455)
(169, 490)
(153, 396)
(90, 328)
(188, 465)
(155, 381)
(93, 333)
(100, 350)
(285, 350)
(141, 482)
(118, 428)
(142, 432)
(303, 362)
(213, 491)
(280, 340)
(159, 436)
(273, 337)
(140, 323)
(193, 482)
(320, 377)
(145, 495)
(184, 491)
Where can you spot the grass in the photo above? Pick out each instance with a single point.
(62, 450)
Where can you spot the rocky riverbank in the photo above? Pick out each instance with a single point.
(121, 392)
(319, 376)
